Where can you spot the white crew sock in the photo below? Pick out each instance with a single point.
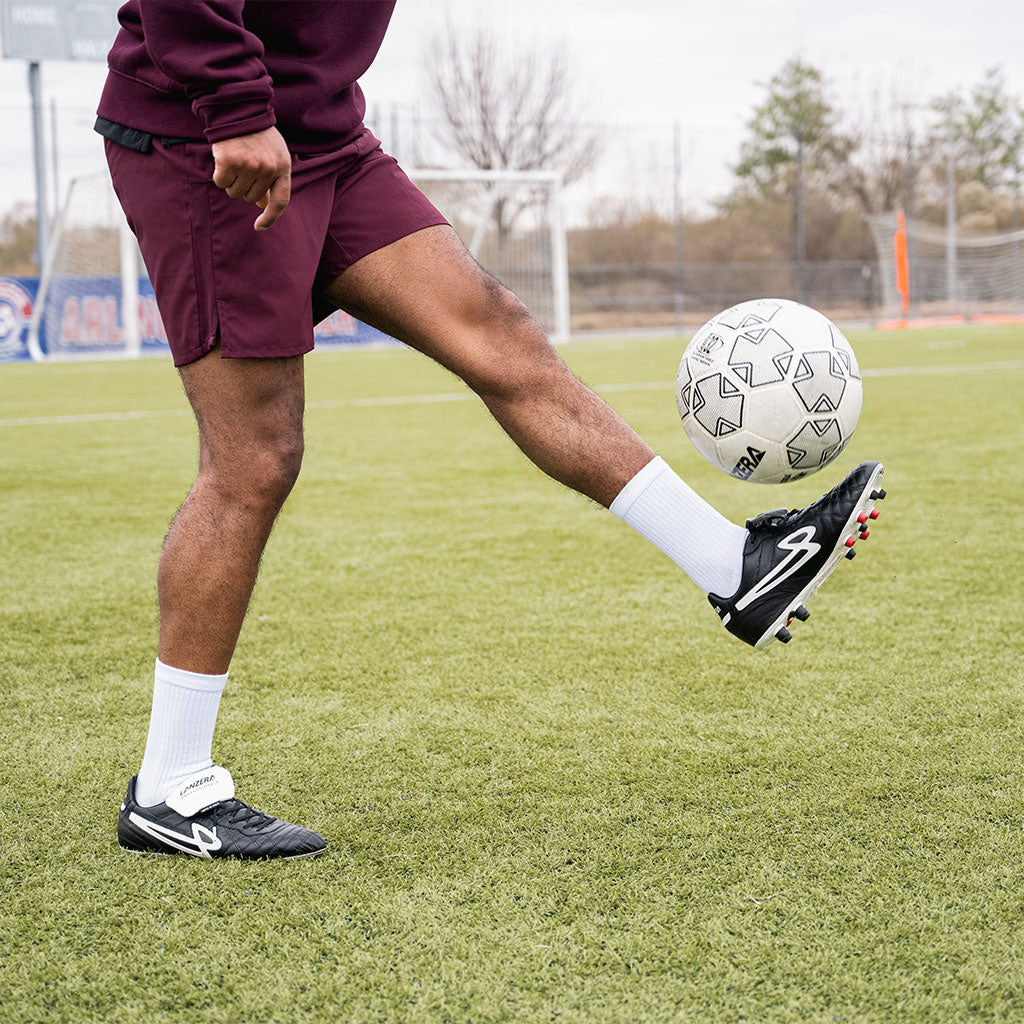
(180, 740)
(681, 524)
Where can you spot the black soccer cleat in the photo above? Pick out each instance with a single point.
(204, 819)
(788, 555)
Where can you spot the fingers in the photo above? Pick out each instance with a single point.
(257, 169)
(273, 202)
(250, 184)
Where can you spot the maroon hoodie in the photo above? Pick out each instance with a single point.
(222, 68)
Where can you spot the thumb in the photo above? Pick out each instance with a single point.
(274, 202)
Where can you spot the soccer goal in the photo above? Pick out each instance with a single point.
(932, 270)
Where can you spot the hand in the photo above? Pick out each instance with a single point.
(258, 169)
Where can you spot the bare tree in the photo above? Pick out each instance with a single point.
(506, 107)
(885, 165)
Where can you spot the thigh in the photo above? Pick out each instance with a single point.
(427, 291)
(245, 407)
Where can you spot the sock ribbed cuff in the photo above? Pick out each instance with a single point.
(629, 494)
(190, 680)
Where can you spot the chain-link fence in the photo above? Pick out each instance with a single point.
(622, 295)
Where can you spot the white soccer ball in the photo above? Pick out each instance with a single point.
(769, 391)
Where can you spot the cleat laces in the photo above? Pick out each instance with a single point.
(241, 814)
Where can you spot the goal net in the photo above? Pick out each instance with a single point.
(949, 272)
(95, 301)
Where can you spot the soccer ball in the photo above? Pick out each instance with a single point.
(769, 391)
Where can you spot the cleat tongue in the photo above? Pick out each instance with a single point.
(801, 613)
(202, 790)
(783, 634)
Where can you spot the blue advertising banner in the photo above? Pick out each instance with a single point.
(84, 318)
(17, 300)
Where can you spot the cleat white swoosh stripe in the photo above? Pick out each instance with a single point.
(800, 546)
(202, 840)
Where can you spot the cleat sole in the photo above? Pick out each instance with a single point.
(252, 860)
(844, 548)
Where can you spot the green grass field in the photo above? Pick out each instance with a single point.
(554, 788)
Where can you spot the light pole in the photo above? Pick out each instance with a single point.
(951, 272)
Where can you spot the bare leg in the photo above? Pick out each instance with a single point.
(426, 290)
(249, 413)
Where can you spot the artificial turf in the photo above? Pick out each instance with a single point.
(554, 788)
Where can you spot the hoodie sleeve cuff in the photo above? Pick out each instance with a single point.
(243, 126)
(234, 110)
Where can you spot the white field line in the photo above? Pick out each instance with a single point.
(465, 396)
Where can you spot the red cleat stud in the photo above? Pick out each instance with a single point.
(874, 514)
(850, 542)
(862, 518)
(864, 534)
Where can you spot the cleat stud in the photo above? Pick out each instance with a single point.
(783, 634)
(849, 542)
(873, 514)
(851, 553)
(877, 495)
(801, 613)
(862, 518)
(865, 534)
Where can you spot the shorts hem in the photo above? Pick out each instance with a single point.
(265, 351)
(235, 352)
(334, 273)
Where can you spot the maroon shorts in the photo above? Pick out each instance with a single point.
(258, 292)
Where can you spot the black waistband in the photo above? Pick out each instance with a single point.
(132, 138)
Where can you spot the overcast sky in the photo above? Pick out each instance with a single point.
(650, 62)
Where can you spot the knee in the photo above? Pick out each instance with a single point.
(260, 476)
(508, 352)
(277, 469)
